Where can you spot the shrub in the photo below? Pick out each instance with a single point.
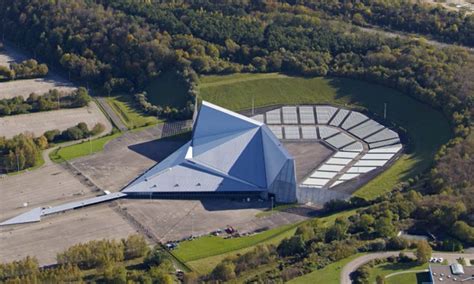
(97, 129)
(72, 133)
(155, 257)
(135, 246)
(51, 135)
(463, 232)
(224, 271)
(397, 243)
(291, 246)
(423, 252)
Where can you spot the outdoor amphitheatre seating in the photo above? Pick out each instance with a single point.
(361, 145)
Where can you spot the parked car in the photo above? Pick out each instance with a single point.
(171, 246)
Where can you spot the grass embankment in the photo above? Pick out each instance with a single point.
(203, 254)
(82, 149)
(330, 274)
(214, 245)
(167, 90)
(427, 128)
(206, 264)
(129, 113)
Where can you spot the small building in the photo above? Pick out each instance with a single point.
(454, 273)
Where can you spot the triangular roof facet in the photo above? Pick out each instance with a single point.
(213, 120)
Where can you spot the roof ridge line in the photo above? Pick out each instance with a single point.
(232, 113)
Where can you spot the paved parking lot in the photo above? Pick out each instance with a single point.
(46, 186)
(200, 217)
(56, 233)
(126, 157)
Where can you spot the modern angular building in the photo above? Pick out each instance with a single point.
(229, 155)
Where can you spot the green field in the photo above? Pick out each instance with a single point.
(128, 112)
(212, 245)
(330, 274)
(410, 272)
(81, 149)
(427, 128)
(167, 90)
(205, 265)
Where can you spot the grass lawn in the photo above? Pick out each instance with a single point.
(167, 90)
(205, 265)
(212, 245)
(328, 275)
(427, 128)
(390, 268)
(411, 277)
(124, 106)
(81, 149)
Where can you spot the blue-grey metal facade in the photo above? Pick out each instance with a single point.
(228, 153)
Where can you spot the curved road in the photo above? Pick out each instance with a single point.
(356, 263)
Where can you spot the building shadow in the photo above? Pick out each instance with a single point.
(157, 150)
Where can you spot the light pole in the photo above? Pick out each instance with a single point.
(17, 162)
(90, 145)
(253, 105)
(192, 225)
(384, 111)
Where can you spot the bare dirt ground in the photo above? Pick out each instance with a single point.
(25, 87)
(55, 234)
(126, 157)
(46, 186)
(38, 123)
(38, 86)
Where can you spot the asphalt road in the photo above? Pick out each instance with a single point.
(356, 263)
(111, 113)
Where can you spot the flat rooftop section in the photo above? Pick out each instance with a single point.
(443, 274)
(308, 156)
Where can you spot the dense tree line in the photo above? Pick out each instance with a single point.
(23, 150)
(19, 152)
(106, 256)
(27, 69)
(122, 44)
(27, 270)
(51, 100)
(296, 40)
(402, 15)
